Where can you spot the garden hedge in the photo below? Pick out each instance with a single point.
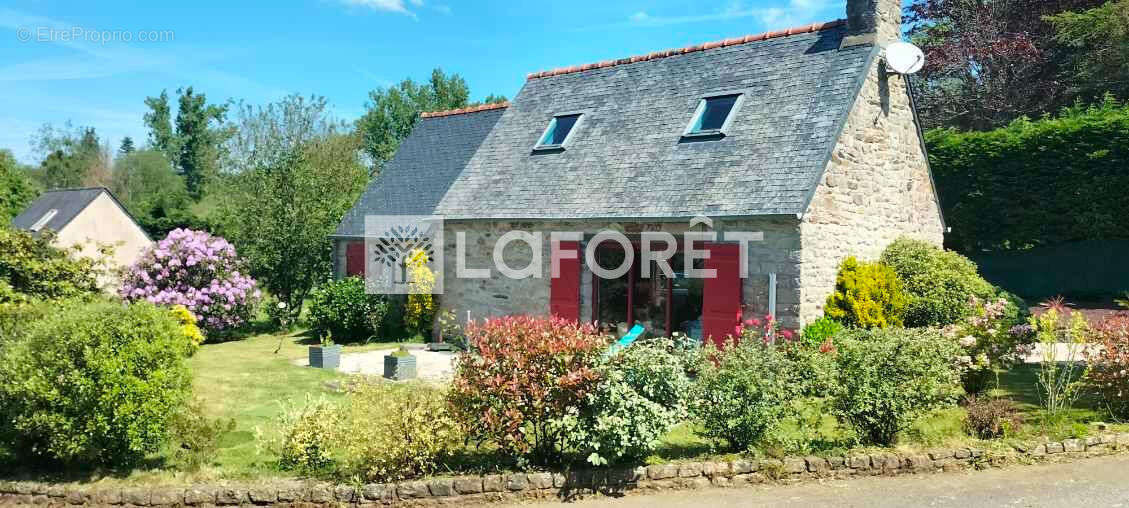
(1035, 182)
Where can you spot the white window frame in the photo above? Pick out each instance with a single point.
(39, 224)
(688, 132)
(568, 138)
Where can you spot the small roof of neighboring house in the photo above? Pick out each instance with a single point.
(425, 165)
(627, 157)
(56, 208)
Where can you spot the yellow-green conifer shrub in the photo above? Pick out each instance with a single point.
(867, 295)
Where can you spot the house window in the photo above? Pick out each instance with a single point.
(558, 132)
(44, 220)
(713, 116)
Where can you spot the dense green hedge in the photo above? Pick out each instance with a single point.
(1035, 182)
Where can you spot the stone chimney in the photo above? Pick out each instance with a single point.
(883, 18)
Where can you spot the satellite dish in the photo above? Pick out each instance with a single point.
(904, 58)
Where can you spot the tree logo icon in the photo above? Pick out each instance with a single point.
(397, 247)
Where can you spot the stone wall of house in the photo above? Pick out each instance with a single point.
(339, 257)
(498, 296)
(876, 187)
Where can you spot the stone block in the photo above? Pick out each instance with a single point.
(940, 454)
(1053, 448)
(859, 461)
(468, 485)
(412, 490)
(76, 496)
(441, 487)
(263, 495)
(919, 463)
(545, 480)
(493, 483)
(721, 469)
(516, 482)
(139, 497)
(817, 464)
(166, 497)
(200, 495)
(837, 462)
(689, 470)
(320, 494)
(1074, 445)
(345, 493)
(109, 497)
(289, 492)
(961, 453)
(794, 465)
(662, 471)
(235, 496)
(742, 466)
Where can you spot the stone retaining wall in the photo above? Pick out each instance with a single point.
(464, 490)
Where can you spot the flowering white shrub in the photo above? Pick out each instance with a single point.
(988, 342)
(199, 271)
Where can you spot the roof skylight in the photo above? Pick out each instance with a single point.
(558, 132)
(713, 116)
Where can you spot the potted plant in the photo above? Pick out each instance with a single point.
(400, 365)
(327, 355)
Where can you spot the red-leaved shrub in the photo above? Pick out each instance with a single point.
(521, 374)
(1109, 362)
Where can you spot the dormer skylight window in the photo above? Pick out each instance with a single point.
(713, 116)
(39, 224)
(560, 129)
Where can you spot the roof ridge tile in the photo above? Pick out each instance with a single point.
(732, 41)
(468, 109)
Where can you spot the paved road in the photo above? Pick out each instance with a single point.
(1090, 483)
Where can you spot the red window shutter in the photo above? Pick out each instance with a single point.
(355, 259)
(721, 295)
(564, 291)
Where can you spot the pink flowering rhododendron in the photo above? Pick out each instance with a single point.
(200, 272)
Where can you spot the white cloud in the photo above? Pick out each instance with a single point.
(397, 6)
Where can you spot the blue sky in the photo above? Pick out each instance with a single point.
(261, 51)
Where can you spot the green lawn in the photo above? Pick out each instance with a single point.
(247, 381)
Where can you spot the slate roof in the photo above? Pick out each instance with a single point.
(68, 202)
(427, 162)
(627, 158)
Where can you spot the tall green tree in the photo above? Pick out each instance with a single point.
(16, 188)
(299, 172)
(194, 147)
(71, 157)
(126, 147)
(1098, 40)
(391, 113)
(159, 121)
(199, 140)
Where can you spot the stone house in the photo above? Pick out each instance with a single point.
(87, 218)
(799, 134)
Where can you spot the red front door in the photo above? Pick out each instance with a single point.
(564, 290)
(721, 295)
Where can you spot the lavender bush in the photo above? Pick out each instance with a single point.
(196, 270)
